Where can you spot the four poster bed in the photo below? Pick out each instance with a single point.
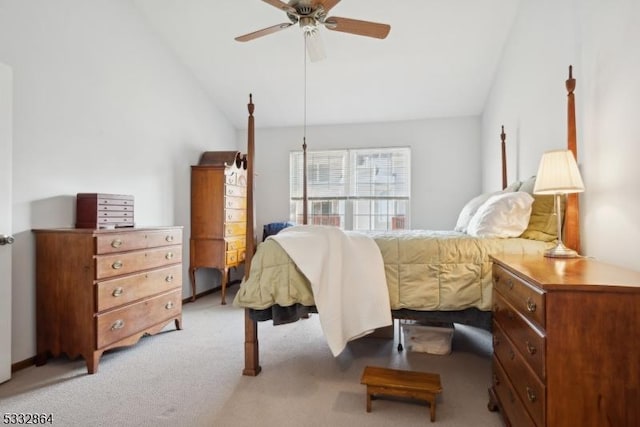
(442, 276)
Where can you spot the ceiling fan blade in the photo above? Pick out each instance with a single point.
(327, 5)
(281, 5)
(263, 32)
(354, 26)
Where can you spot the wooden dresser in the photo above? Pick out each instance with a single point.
(566, 338)
(101, 289)
(218, 215)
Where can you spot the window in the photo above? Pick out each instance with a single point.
(357, 189)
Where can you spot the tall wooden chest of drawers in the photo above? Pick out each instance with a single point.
(101, 289)
(566, 337)
(218, 215)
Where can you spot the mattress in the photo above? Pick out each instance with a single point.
(424, 270)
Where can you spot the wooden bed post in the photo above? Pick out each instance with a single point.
(571, 232)
(251, 351)
(503, 137)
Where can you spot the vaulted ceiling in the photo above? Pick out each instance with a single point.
(439, 59)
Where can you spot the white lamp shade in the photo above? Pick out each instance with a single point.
(558, 173)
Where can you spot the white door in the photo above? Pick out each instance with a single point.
(6, 122)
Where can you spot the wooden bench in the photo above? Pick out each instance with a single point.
(393, 382)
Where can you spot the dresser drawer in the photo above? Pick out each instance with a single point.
(115, 292)
(233, 176)
(163, 238)
(509, 401)
(526, 299)
(235, 215)
(235, 244)
(231, 258)
(120, 242)
(234, 190)
(115, 219)
(529, 341)
(106, 207)
(235, 229)
(120, 323)
(525, 382)
(231, 202)
(131, 262)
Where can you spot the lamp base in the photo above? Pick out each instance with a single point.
(561, 251)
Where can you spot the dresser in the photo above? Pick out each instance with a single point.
(218, 215)
(566, 339)
(101, 289)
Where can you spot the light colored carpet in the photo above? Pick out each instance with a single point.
(193, 378)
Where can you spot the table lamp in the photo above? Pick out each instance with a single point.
(558, 174)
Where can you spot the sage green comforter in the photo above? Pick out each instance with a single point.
(424, 270)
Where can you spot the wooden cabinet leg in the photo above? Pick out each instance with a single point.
(41, 358)
(368, 401)
(192, 279)
(225, 278)
(92, 361)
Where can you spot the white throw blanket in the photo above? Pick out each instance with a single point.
(346, 272)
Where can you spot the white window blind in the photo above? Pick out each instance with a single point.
(360, 189)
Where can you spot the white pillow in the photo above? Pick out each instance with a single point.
(470, 209)
(502, 215)
(514, 186)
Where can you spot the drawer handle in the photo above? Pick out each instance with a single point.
(531, 305)
(118, 324)
(510, 284)
(116, 243)
(169, 238)
(169, 278)
(512, 355)
(530, 348)
(117, 265)
(169, 255)
(496, 341)
(169, 305)
(531, 396)
(496, 381)
(117, 292)
(512, 398)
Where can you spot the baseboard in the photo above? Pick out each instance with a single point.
(210, 291)
(18, 366)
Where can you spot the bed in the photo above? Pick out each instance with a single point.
(442, 276)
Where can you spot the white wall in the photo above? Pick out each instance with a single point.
(445, 166)
(601, 40)
(100, 105)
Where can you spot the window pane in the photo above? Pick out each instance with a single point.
(381, 172)
(364, 189)
(325, 173)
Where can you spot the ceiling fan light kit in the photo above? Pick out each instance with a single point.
(310, 15)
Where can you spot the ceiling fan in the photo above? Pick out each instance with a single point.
(310, 15)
